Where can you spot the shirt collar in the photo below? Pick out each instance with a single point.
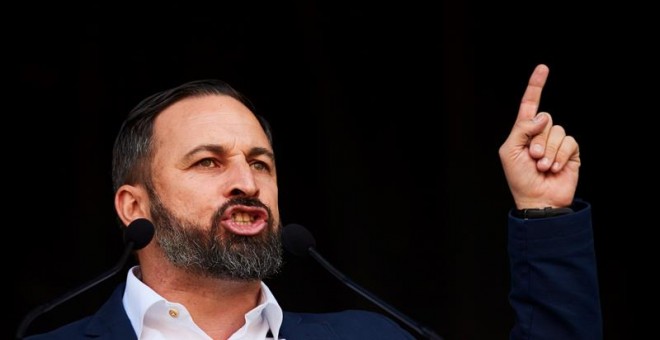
(271, 311)
(138, 298)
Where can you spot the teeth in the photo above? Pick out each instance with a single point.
(242, 217)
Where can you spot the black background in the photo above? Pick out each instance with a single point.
(387, 122)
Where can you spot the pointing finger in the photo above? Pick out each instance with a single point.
(532, 97)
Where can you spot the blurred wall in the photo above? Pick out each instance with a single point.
(387, 122)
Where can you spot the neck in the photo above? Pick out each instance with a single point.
(218, 306)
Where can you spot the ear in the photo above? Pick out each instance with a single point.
(131, 203)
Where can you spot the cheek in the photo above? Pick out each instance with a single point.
(195, 203)
(269, 196)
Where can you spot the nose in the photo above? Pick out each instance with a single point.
(241, 181)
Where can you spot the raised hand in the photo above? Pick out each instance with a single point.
(541, 162)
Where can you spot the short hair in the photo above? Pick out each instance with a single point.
(132, 152)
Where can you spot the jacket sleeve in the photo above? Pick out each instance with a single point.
(554, 284)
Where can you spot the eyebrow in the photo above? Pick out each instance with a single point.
(220, 150)
(259, 151)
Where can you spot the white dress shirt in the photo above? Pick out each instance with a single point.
(153, 317)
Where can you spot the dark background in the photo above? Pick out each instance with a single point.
(387, 122)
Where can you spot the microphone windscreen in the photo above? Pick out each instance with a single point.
(140, 232)
(297, 239)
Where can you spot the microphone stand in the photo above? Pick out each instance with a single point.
(425, 331)
(50, 305)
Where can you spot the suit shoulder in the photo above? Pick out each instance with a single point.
(73, 330)
(353, 324)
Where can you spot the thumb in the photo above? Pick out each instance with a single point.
(524, 130)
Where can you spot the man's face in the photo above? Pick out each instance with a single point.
(213, 189)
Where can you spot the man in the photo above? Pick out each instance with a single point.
(197, 162)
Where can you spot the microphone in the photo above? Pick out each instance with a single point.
(299, 241)
(136, 236)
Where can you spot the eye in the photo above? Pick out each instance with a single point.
(261, 166)
(207, 163)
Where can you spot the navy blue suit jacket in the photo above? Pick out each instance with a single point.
(111, 322)
(554, 282)
(554, 293)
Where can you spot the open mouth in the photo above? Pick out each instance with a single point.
(245, 220)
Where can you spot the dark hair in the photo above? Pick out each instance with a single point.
(132, 152)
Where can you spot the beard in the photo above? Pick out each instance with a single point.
(212, 253)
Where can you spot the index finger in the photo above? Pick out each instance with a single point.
(529, 104)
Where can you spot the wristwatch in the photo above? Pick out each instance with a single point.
(541, 212)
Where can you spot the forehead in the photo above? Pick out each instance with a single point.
(209, 119)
